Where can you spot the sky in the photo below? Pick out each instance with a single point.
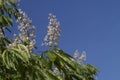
(87, 25)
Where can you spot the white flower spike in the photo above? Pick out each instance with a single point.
(53, 35)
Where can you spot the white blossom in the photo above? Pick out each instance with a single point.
(53, 34)
(27, 31)
(76, 54)
(79, 58)
(56, 71)
(83, 56)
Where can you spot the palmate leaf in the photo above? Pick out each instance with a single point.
(25, 49)
(21, 52)
(40, 69)
(67, 66)
(8, 61)
(67, 60)
(80, 70)
(62, 61)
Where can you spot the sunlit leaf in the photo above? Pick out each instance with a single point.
(51, 56)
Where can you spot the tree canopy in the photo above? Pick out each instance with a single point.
(18, 60)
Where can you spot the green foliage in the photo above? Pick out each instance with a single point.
(7, 10)
(34, 67)
(18, 63)
(69, 68)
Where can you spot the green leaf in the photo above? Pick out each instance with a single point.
(5, 59)
(66, 60)
(48, 75)
(7, 40)
(25, 49)
(4, 19)
(20, 54)
(44, 62)
(51, 55)
(9, 21)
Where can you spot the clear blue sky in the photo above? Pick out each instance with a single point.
(90, 25)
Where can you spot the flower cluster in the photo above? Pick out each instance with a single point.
(27, 31)
(79, 58)
(53, 34)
